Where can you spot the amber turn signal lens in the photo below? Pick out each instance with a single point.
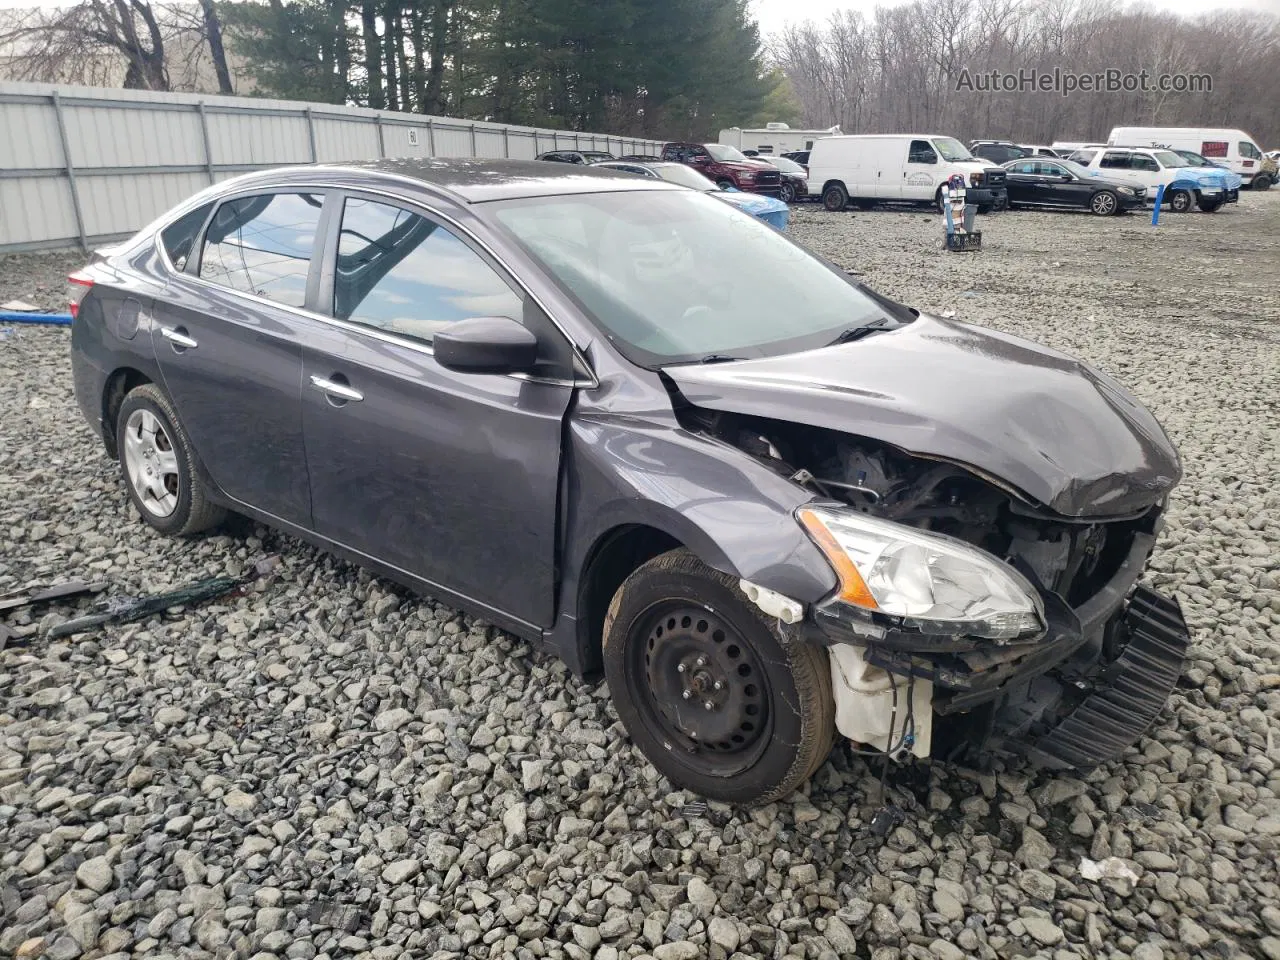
(853, 589)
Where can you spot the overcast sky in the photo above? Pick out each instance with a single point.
(773, 15)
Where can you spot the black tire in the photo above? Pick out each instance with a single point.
(724, 183)
(1209, 206)
(772, 722)
(1179, 200)
(985, 208)
(192, 510)
(1104, 203)
(1262, 182)
(787, 194)
(835, 198)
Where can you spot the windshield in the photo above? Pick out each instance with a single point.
(951, 149)
(786, 166)
(1193, 159)
(1168, 158)
(677, 276)
(720, 153)
(684, 176)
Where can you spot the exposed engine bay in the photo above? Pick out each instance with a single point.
(1083, 569)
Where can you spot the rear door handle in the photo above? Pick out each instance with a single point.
(178, 338)
(334, 389)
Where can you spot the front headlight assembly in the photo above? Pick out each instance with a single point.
(925, 581)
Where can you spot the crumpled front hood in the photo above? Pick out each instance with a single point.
(1062, 433)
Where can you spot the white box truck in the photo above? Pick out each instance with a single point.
(1234, 149)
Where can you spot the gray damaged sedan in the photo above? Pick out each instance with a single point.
(634, 425)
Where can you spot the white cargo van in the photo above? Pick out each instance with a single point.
(1234, 149)
(904, 166)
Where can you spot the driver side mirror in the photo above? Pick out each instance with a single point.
(485, 345)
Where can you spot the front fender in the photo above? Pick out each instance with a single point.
(734, 512)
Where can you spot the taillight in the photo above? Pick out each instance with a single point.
(78, 285)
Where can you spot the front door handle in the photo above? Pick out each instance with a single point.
(334, 389)
(178, 338)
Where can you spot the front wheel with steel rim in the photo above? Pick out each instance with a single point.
(716, 699)
(157, 462)
(1180, 201)
(1104, 203)
(788, 194)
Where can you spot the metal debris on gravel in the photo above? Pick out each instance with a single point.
(330, 768)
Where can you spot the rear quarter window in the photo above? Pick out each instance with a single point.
(177, 238)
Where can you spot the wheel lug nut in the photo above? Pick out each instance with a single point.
(702, 661)
(680, 668)
(708, 704)
(688, 694)
(718, 685)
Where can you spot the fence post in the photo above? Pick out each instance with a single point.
(311, 135)
(431, 136)
(208, 145)
(71, 173)
(473, 141)
(506, 143)
(382, 142)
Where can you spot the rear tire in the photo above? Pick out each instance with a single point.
(771, 722)
(1209, 206)
(1262, 182)
(159, 465)
(725, 184)
(1179, 200)
(788, 193)
(835, 198)
(1104, 203)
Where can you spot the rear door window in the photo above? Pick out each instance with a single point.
(263, 245)
(1142, 162)
(1113, 160)
(178, 237)
(1026, 167)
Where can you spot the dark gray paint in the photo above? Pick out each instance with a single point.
(493, 492)
(1059, 431)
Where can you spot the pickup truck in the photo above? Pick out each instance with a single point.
(726, 166)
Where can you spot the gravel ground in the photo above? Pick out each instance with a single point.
(329, 768)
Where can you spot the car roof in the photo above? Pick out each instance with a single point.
(464, 179)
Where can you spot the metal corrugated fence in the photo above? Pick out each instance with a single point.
(85, 165)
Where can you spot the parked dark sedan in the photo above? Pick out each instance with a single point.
(795, 179)
(1063, 183)
(649, 433)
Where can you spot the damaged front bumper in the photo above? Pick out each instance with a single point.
(1075, 698)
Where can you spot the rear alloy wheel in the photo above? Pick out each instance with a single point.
(788, 194)
(835, 197)
(158, 465)
(1180, 201)
(707, 689)
(1104, 203)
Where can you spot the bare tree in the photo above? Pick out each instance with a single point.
(899, 69)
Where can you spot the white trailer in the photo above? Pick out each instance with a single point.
(774, 139)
